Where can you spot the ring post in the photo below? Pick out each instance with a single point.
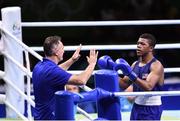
(108, 108)
(11, 21)
(64, 106)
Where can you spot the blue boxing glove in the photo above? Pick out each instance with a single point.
(106, 62)
(125, 68)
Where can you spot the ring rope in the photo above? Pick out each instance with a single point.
(166, 70)
(28, 89)
(85, 113)
(86, 88)
(75, 25)
(29, 100)
(18, 64)
(2, 74)
(153, 93)
(100, 23)
(14, 109)
(113, 47)
(40, 57)
(22, 44)
(2, 98)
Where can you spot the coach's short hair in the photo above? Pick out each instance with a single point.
(50, 43)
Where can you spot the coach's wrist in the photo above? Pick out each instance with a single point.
(73, 59)
(92, 64)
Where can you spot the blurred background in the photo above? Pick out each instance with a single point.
(102, 10)
(97, 10)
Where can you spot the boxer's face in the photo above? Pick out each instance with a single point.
(143, 47)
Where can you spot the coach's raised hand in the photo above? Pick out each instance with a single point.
(125, 68)
(106, 62)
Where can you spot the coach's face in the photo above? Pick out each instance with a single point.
(143, 47)
(60, 51)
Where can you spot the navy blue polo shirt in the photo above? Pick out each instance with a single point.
(47, 78)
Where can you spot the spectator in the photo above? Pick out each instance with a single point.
(89, 107)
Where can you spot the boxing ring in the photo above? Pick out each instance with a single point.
(16, 55)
